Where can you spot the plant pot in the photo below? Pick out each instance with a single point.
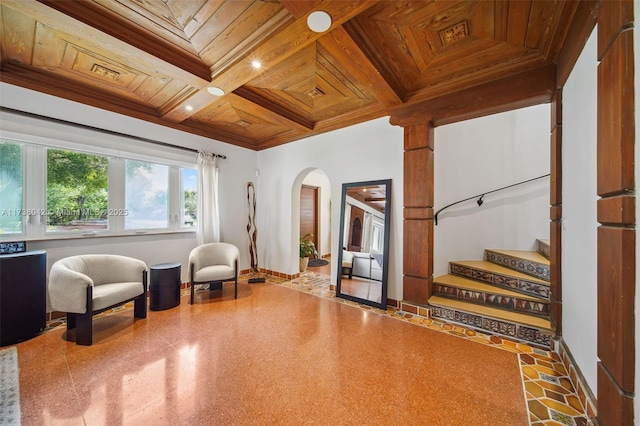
(304, 261)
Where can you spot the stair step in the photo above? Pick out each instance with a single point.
(528, 328)
(528, 262)
(501, 276)
(544, 248)
(473, 291)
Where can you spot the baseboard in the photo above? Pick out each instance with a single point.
(583, 390)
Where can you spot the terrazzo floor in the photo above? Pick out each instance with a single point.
(276, 356)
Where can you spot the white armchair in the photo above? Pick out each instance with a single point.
(212, 264)
(88, 284)
(347, 263)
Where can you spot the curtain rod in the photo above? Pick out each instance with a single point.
(111, 132)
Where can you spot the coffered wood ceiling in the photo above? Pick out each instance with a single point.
(155, 59)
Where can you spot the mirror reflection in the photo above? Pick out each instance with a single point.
(364, 240)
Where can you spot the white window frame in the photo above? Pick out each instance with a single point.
(96, 143)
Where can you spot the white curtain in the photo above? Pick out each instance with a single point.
(208, 213)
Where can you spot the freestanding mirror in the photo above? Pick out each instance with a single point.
(363, 254)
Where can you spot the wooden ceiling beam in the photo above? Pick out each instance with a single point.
(344, 48)
(295, 120)
(528, 88)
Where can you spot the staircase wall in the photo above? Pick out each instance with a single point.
(481, 155)
(579, 201)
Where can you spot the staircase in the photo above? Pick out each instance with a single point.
(506, 294)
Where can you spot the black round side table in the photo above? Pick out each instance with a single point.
(164, 286)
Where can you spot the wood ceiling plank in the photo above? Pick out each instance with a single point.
(299, 8)
(501, 20)
(541, 17)
(18, 38)
(102, 20)
(518, 20)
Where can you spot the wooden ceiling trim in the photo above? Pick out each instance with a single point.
(529, 88)
(342, 47)
(144, 40)
(283, 44)
(34, 79)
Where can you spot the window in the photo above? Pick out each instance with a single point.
(146, 195)
(377, 242)
(189, 185)
(77, 191)
(12, 214)
(58, 189)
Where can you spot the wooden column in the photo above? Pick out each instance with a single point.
(418, 212)
(616, 214)
(556, 211)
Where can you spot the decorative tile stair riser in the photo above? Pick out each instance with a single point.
(527, 262)
(502, 279)
(528, 334)
(511, 303)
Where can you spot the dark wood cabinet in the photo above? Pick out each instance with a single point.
(23, 295)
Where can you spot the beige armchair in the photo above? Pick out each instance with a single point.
(88, 284)
(213, 264)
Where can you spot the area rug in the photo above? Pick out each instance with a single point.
(9, 387)
(317, 262)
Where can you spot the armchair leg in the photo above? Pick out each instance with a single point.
(140, 306)
(84, 331)
(191, 283)
(71, 321)
(140, 303)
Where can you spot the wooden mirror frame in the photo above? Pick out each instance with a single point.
(385, 259)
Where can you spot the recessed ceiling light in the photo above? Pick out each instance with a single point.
(189, 108)
(319, 21)
(256, 64)
(216, 91)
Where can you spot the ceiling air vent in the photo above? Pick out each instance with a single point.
(314, 93)
(105, 72)
(243, 123)
(454, 33)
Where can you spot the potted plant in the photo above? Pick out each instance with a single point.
(307, 249)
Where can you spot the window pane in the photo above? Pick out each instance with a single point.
(189, 178)
(77, 191)
(11, 217)
(146, 195)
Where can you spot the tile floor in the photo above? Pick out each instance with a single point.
(171, 348)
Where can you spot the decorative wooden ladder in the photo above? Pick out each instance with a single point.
(506, 294)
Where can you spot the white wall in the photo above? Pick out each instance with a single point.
(579, 215)
(363, 152)
(235, 172)
(320, 180)
(484, 154)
